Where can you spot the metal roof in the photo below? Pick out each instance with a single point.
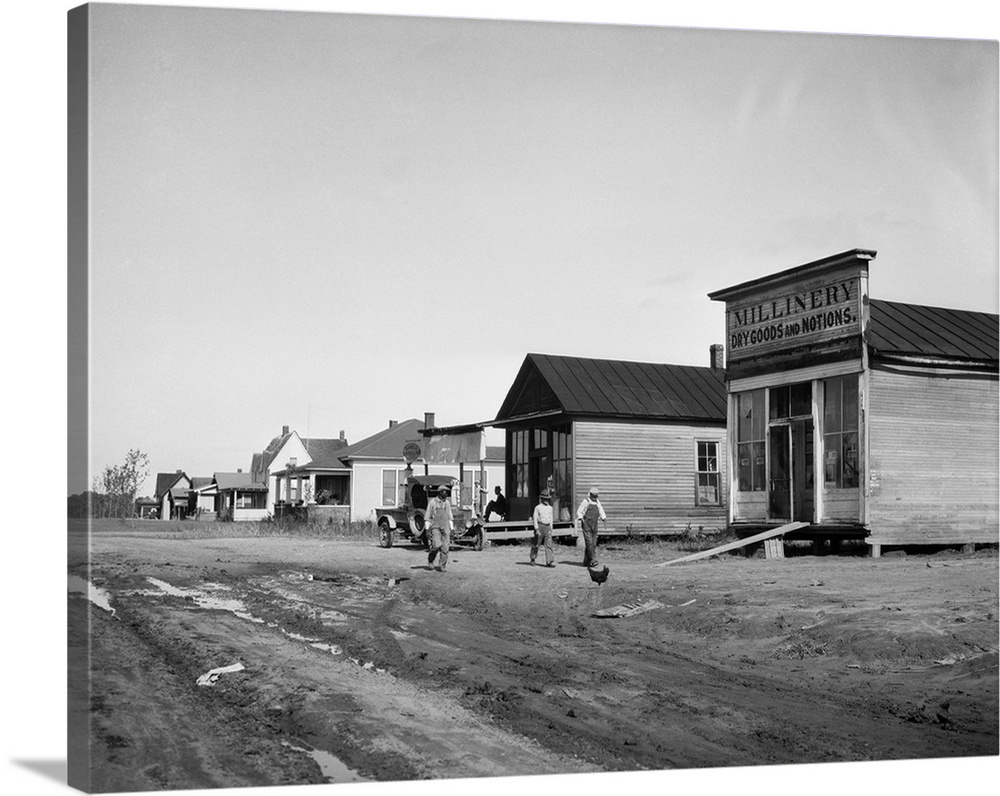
(935, 332)
(618, 389)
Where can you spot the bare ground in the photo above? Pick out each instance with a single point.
(499, 668)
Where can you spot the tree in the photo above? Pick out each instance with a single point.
(120, 483)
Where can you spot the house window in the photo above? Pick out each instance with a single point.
(750, 437)
(250, 500)
(840, 432)
(708, 492)
(389, 486)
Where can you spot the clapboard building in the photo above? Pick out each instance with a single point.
(860, 416)
(651, 437)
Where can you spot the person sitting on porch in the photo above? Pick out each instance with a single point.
(496, 506)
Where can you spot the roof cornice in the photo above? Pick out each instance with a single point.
(853, 256)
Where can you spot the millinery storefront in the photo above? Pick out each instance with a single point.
(859, 416)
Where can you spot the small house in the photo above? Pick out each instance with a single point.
(172, 494)
(238, 497)
(651, 437)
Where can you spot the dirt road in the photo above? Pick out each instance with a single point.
(360, 663)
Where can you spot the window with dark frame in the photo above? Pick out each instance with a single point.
(708, 492)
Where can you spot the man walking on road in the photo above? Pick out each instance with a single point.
(588, 514)
(439, 523)
(542, 520)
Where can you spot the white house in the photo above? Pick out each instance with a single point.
(368, 474)
(289, 450)
(172, 494)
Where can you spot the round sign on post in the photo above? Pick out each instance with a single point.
(411, 451)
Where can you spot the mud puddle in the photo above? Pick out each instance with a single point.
(334, 769)
(97, 595)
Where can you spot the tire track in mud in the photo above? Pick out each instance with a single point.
(180, 735)
(471, 668)
(345, 705)
(578, 694)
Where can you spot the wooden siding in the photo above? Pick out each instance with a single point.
(842, 505)
(749, 506)
(933, 474)
(647, 475)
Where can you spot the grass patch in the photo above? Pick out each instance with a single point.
(194, 529)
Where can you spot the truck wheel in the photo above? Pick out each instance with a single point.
(384, 534)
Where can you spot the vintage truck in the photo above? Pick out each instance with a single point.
(407, 520)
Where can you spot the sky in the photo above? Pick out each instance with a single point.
(330, 221)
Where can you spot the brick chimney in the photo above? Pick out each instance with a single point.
(284, 430)
(428, 420)
(342, 434)
(716, 357)
(393, 423)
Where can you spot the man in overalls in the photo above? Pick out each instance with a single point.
(588, 514)
(439, 522)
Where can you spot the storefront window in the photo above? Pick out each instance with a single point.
(562, 472)
(519, 462)
(750, 435)
(840, 432)
(791, 400)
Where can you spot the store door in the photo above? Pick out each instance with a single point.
(803, 499)
(779, 477)
(790, 471)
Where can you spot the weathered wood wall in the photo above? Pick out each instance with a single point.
(647, 475)
(933, 474)
(841, 505)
